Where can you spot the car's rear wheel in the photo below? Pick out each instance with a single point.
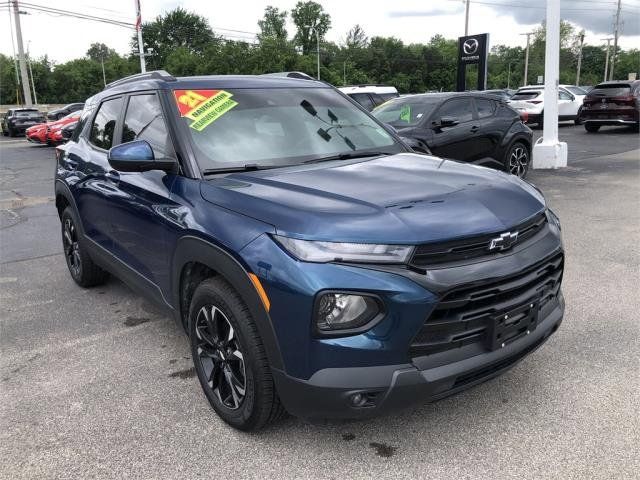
(517, 160)
(229, 357)
(82, 269)
(591, 128)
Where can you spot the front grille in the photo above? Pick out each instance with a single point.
(473, 247)
(469, 314)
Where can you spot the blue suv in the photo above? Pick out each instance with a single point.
(318, 265)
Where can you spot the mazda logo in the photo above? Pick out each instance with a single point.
(469, 47)
(504, 241)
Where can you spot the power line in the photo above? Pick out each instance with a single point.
(69, 13)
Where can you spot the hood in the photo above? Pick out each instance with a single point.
(403, 198)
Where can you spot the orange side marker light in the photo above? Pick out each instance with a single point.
(263, 295)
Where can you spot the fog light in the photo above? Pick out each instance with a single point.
(341, 312)
(358, 400)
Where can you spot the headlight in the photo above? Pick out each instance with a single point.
(323, 252)
(340, 313)
(553, 218)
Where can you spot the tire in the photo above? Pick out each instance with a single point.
(591, 128)
(11, 132)
(578, 120)
(5, 132)
(82, 269)
(221, 327)
(517, 160)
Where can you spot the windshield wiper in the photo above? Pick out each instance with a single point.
(250, 167)
(347, 156)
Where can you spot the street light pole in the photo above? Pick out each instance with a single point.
(526, 60)
(143, 66)
(548, 152)
(318, 47)
(466, 19)
(509, 76)
(616, 31)
(23, 65)
(579, 59)
(33, 82)
(104, 77)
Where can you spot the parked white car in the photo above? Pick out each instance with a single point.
(529, 102)
(370, 96)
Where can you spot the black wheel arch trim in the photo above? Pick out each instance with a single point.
(62, 189)
(195, 249)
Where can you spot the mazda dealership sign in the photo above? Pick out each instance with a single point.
(473, 49)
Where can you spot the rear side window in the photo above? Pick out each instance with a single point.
(611, 90)
(459, 108)
(144, 121)
(525, 95)
(363, 99)
(104, 124)
(485, 107)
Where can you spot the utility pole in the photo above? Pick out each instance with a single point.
(23, 65)
(579, 58)
(549, 152)
(33, 81)
(344, 72)
(317, 45)
(606, 58)
(466, 19)
(143, 66)
(616, 30)
(509, 76)
(526, 60)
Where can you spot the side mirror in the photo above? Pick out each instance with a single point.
(137, 156)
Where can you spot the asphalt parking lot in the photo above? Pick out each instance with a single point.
(97, 384)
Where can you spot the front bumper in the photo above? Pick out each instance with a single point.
(329, 392)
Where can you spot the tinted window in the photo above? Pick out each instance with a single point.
(576, 90)
(485, 107)
(564, 95)
(459, 108)
(104, 124)
(525, 95)
(377, 99)
(611, 90)
(363, 99)
(85, 115)
(388, 96)
(406, 111)
(144, 121)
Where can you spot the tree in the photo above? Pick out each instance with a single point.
(311, 21)
(175, 29)
(356, 38)
(99, 51)
(273, 25)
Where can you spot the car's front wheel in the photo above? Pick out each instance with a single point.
(517, 160)
(229, 357)
(591, 128)
(81, 267)
(578, 120)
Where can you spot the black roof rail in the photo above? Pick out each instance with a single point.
(300, 75)
(154, 75)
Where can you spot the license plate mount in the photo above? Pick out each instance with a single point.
(512, 325)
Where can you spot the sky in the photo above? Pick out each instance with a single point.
(63, 38)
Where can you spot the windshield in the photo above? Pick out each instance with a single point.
(406, 111)
(26, 113)
(576, 90)
(276, 127)
(611, 90)
(525, 95)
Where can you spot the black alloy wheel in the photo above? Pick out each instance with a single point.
(71, 247)
(517, 162)
(220, 357)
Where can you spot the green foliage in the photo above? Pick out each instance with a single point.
(184, 44)
(310, 21)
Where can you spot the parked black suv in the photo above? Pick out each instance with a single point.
(17, 120)
(472, 127)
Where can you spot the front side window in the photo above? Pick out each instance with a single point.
(276, 127)
(406, 111)
(104, 124)
(564, 95)
(144, 121)
(459, 108)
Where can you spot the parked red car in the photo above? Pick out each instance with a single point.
(49, 132)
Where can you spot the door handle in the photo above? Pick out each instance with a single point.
(113, 176)
(474, 129)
